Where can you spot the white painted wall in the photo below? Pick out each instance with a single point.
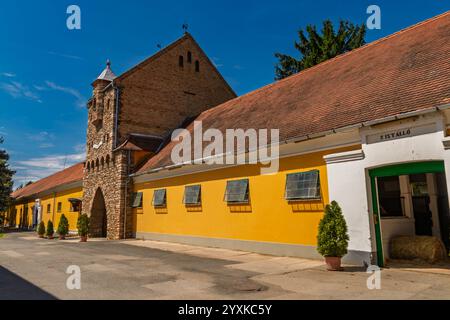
(349, 181)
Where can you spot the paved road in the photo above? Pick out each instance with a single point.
(31, 268)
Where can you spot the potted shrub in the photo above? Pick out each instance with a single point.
(50, 231)
(83, 227)
(333, 237)
(41, 230)
(63, 227)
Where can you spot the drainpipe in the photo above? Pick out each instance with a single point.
(54, 203)
(127, 180)
(116, 120)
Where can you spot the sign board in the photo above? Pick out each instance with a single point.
(400, 133)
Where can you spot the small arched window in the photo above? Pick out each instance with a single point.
(181, 61)
(189, 57)
(197, 66)
(89, 167)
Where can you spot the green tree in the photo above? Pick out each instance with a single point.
(6, 183)
(317, 48)
(50, 229)
(41, 229)
(63, 227)
(333, 233)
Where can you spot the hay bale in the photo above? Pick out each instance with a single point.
(429, 249)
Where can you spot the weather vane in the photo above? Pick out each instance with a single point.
(185, 27)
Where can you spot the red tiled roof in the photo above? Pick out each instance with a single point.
(407, 71)
(69, 175)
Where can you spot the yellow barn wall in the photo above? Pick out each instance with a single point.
(54, 215)
(268, 217)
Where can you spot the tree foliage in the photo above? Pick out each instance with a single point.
(41, 229)
(333, 233)
(317, 48)
(83, 225)
(6, 182)
(63, 226)
(50, 229)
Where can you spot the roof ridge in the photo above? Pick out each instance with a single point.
(341, 56)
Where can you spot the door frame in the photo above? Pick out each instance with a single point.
(390, 171)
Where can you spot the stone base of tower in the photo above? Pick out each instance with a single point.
(106, 197)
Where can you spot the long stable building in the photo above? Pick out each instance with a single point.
(369, 129)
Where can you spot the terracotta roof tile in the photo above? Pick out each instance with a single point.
(69, 175)
(404, 72)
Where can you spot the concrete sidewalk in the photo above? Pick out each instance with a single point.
(32, 268)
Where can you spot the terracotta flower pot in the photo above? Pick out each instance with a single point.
(41, 236)
(51, 237)
(83, 239)
(62, 237)
(333, 263)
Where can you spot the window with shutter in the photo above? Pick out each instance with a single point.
(237, 191)
(303, 186)
(192, 195)
(160, 198)
(137, 200)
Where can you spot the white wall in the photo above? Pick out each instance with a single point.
(348, 175)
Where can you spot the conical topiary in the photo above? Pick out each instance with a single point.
(63, 227)
(333, 233)
(83, 226)
(50, 230)
(41, 229)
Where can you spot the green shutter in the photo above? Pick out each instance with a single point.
(138, 200)
(237, 191)
(303, 186)
(192, 195)
(160, 198)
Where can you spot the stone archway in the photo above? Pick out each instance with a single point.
(99, 217)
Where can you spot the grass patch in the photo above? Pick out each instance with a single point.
(2, 235)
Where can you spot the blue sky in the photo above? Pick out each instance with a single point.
(46, 69)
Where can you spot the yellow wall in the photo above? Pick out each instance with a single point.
(268, 217)
(55, 216)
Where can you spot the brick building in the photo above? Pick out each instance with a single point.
(132, 116)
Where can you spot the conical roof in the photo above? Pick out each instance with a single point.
(107, 74)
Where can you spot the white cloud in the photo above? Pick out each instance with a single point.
(64, 55)
(17, 90)
(216, 63)
(8, 74)
(46, 145)
(80, 100)
(80, 148)
(38, 168)
(42, 136)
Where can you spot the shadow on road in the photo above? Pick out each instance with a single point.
(13, 287)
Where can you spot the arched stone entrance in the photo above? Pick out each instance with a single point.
(99, 217)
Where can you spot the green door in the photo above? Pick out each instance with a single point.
(391, 171)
